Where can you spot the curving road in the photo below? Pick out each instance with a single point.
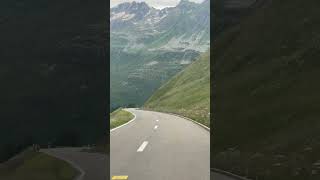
(160, 146)
(155, 146)
(92, 166)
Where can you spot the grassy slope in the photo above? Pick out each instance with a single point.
(119, 117)
(267, 93)
(187, 93)
(36, 166)
(132, 82)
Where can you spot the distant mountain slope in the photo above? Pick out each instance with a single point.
(149, 46)
(184, 27)
(187, 93)
(266, 90)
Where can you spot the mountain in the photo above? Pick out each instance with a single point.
(266, 105)
(127, 14)
(148, 46)
(53, 73)
(185, 26)
(187, 93)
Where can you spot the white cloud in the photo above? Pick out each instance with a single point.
(154, 3)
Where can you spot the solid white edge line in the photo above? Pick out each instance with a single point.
(124, 123)
(73, 164)
(143, 146)
(186, 118)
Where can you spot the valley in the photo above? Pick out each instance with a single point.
(149, 46)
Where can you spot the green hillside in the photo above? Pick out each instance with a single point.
(134, 79)
(267, 101)
(120, 117)
(187, 93)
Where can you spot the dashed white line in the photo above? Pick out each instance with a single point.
(157, 120)
(143, 145)
(156, 127)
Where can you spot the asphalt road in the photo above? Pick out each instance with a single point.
(155, 146)
(160, 146)
(92, 166)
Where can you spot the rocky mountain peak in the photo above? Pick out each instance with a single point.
(131, 7)
(139, 6)
(185, 3)
(130, 10)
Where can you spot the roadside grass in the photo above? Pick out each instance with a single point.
(31, 165)
(187, 93)
(119, 117)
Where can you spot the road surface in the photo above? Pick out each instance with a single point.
(155, 146)
(92, 166)
(160, 146)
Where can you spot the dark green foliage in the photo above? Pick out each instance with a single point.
(53, 73)
(266, 112)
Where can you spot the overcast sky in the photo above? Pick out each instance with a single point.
(159, 4)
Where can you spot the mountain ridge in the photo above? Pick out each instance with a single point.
(149, 48)
(134, 19)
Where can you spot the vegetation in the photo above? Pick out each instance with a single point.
(53, 73)
(187, 93)
(133, 80)
(31, 165)
(266, 105)
(143, 56)
(119, 117)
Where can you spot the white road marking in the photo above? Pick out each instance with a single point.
(156, 127)
(157, 120)
(143, 145)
